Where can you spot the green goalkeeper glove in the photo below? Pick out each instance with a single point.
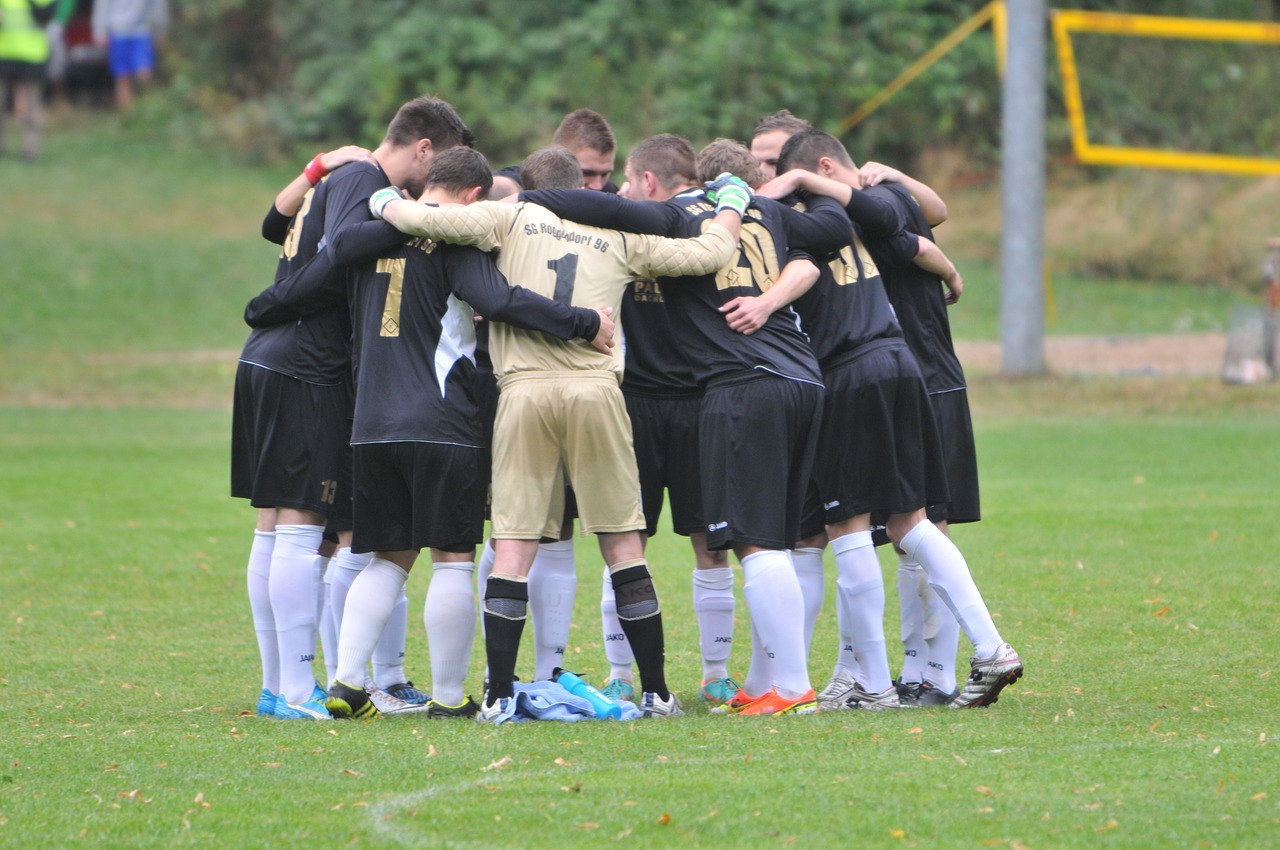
(378, 200)
(732, 195)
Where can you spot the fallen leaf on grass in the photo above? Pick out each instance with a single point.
(561, 762)
(575, 788)
(1259, 797)
(898, 834)
(1161, 612)
(982, 789)
(432, 751)
(665, 819)
(129, 686)
(585, 827)
(349, 772)
(499, 764)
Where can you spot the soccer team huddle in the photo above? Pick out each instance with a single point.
(755, 335)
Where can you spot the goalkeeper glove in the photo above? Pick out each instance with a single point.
(729, 192)
(378, 200)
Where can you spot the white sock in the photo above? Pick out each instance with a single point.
(950, 577)
(293, 604)
(617, 650)
(450, 617)
(808, 564)
(328, 628)
(760, 671)
(861, 587)
(915, 650)
(846, 660)
(347, 565)
(483, 567)
(942, 636)
(777, 613)
(322, 595)
(264, 622)
(552, 585)
(372, 598)
(713, 606)
(388, 654)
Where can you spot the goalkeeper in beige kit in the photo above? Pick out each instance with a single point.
(561, 412)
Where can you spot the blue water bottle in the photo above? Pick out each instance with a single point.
(605, 708)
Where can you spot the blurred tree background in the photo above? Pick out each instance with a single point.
(271, 74)
(269, 80)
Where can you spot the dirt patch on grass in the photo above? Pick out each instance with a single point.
(1188, 355)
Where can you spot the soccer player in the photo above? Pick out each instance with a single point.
(294, 396)
(930, 635)
(561, 411)
(275, 228)
(420, 453)
(553, 579)
(763, 391)
(818, 162)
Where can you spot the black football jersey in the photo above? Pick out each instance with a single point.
(312, 342)
(918, 296)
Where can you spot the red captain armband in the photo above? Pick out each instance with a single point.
(315, 170)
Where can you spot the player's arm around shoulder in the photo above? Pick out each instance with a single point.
(703, 254)
(481, 224)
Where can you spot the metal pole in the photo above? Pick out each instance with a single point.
(1022, 207)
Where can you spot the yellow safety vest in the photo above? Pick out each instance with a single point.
(21, 38)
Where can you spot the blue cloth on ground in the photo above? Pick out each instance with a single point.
(547, 700)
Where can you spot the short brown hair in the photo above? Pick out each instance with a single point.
(552, 167)
(780, 120)
(585, 128)
(804, 149)
(732, 156)
(429, 118)
(460, 168)
(669, 157)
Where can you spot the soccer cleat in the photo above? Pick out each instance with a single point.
(719, 691)
(922, 694)
(347, 703)
(652, 706)
(468, 709)
(835, 696)
(496, 712)
(309, 710)
(988, 677)
(774, 703)
(886, 700)
(267, 703)
(739, 702)
(388, 704)
(407, 692)
(619, 690)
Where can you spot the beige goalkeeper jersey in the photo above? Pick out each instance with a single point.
(572, 263)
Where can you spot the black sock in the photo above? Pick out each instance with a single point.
(506, 604)
(641, 619)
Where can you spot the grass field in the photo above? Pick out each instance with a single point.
(1127, 551)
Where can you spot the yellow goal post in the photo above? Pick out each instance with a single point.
(1068, 21)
